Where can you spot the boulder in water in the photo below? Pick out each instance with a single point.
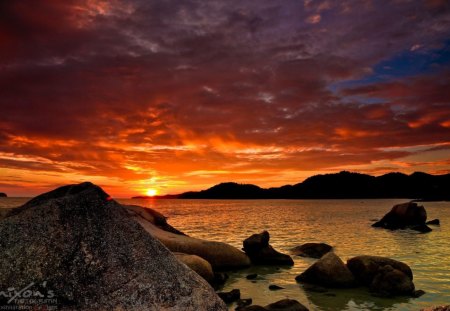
(365, 268)
(313, 250)
(328, 271)
(391, 282)
(84, 247)
(259, 250)
(281, 305)
(231, 296)
(3, 195)
(403, 216)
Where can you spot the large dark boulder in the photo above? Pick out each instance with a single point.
(282, 305)
(3, 195)
(328, 271)
(403, 216)
(382, 275)
(392, 282)
(365, 268)
(313, 250)
(85, 247)
(261, 253)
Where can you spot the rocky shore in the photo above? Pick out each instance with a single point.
(90, 252)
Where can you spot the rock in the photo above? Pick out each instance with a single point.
(3, 195)
(198, 264)
(421, 228)
(391, 282)
(286, 305)
(92, 255)
(251, 276)
(261, 253)
(275, 287)
(219, 278)
(220, 255)
(434, 222)
(231, 296)
(403, 216)
(4, 212)
(313, 250)
(244, 302)
(328, 271)
(282, 305)
(152, 216)
(365, 268)
(437, 308)
(418, 293)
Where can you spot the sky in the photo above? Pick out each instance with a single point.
(177, 95)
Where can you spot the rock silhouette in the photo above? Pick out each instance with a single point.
(261, 253)
(403, 216)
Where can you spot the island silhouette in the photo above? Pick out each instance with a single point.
(342, 185)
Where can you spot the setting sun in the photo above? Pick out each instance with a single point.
(151, 192)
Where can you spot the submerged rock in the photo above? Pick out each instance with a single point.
(434, 222)
(219, 255)
(231, 296)
(313, 250)
(275, 287)
(251, 276)
(421, 228)
(261, 253)
(282, 305)
(403, 216)
(92, 255)
(286, 305)
(328, 271)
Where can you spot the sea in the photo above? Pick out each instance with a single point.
(344, 224)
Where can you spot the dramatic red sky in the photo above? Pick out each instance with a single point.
(180, 95)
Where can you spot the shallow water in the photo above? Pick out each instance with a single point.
(345, 224)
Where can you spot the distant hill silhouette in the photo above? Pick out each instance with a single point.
(343, 185)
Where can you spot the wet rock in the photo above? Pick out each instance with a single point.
(275, 287)
(313, 250)
(220, 255)
(244, 302)
(403, 216)
(87, 249)
(421, 228)
(282, 305)
(219, 279)
(434, 222)
(418, 293)
(286, 305)
(231, 296)
(251, 276)
(328, 271)
(198, 264)
(392, 282)
(365, 268)
(260, 252)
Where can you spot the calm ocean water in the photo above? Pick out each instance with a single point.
(344, 224)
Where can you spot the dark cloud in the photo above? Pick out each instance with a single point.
(131, 85)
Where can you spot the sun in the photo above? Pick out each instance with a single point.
(151, 192)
